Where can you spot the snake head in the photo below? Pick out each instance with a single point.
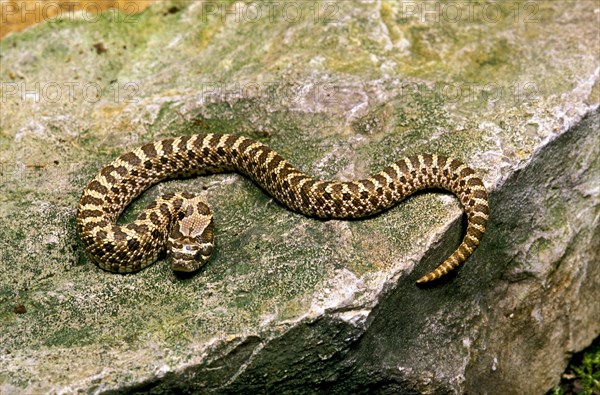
(190, 241)
(189, 255)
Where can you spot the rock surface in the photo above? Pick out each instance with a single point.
(290, 303)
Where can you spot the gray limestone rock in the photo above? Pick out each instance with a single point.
(290, 304)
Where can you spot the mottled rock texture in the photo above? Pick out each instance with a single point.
(292, 304)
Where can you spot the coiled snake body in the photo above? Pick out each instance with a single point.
(182, 222)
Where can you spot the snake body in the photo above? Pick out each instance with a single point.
(182, 222)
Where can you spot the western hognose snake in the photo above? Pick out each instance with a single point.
(182, 223)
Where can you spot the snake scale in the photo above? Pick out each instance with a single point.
(182, 223)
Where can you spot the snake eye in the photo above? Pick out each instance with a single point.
(206, 249)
